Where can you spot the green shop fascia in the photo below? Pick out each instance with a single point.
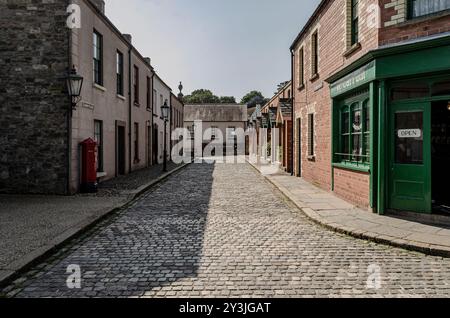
(391, 119)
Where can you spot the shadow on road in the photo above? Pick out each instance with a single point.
(156, 242)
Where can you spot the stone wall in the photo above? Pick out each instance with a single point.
(33, 103)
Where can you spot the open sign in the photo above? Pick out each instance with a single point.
(409, 133)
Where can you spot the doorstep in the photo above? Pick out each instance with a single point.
(328, 210)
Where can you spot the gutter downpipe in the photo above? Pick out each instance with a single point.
(129, 108)
(69, 115)
(153, 114)
(292, 113)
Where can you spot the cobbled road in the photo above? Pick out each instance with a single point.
(223, 231)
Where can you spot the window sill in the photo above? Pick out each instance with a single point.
(311, 158)
(137, 104)
(355, 47)
(301, 87)
(99, 87)
(149, 109)
(352, 166)
(314, 77)
(121, 97)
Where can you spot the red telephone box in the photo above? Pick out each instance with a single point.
(89, 166)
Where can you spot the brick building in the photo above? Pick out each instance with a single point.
(40, 134)
(371, 89)
(277, 113)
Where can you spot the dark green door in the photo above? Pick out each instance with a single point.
(410, 157)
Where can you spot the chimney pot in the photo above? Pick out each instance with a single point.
(128, 37)
(100, 4)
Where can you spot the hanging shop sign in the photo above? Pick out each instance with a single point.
(353, 80)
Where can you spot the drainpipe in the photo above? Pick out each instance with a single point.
(129, 108)
(153, 114)
(69, 117)
(292, 113)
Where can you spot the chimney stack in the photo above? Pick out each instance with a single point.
(100, 4)
(148, 60)
(128, 37)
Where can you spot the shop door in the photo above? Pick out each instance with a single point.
(410, 157)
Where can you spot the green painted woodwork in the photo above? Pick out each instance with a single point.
(409, 157)
(427, 61)
(430, 60)
(356, 79)
(346, 135)
(373, 98)
(382, 111)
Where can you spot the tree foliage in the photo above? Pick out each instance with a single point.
(205, 96)
(254, 98)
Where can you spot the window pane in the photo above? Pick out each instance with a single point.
(366, 116)
(357, 147)
(357, 123)
(409, 138)
(345, 123)
(408, 90)
(442, 88)
(346, 145)
(425, 7)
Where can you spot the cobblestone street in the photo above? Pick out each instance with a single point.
(223, 231)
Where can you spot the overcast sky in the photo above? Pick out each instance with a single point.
(228, 46)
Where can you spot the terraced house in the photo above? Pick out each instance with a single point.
(371, 90)
(43, 41)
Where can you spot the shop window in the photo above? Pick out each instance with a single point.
(441, 89)
(419, 8)
(409, 90)
(354, 133)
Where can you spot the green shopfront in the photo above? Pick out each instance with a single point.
(391, 120)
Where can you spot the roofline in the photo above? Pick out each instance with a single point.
(392, 49)
(211, 104)
(309, 22)
(164, 83)
(289, 83)
(176, 97)
(108, 22)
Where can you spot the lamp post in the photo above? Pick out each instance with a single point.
(165, 115)
(74, 83)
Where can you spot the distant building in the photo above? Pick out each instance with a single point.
(217, 120)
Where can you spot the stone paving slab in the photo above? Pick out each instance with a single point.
(336, 214)
(32, 226)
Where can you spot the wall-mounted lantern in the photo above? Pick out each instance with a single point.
(74, 85)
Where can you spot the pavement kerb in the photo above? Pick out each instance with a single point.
(26, 262)
(414, 246)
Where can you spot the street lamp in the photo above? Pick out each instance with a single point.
(165, 116)
(74, 83)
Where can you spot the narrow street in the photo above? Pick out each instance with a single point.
(223, 231)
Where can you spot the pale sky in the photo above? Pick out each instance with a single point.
(228, 46)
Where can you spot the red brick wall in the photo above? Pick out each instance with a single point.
(414, 29)
(397, 28)
(315, 96)
(352, 186)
